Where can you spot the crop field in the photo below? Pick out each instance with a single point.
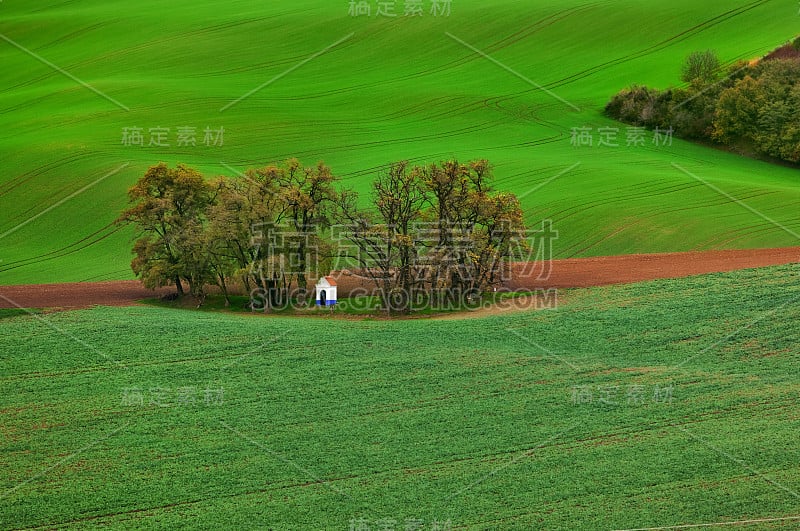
(626, 407)
(655, 405)
(257, 82)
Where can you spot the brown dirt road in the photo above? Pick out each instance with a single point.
(569, 273)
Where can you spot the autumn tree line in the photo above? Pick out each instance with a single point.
(432, 233)
(751, 107)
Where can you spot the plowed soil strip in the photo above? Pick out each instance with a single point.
(77, 295)
(626, 269)
(569, 273)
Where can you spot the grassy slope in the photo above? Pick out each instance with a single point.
(458, 420)
(397, 89)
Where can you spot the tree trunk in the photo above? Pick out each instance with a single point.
(223, 286)
(179, 286)
(301, 273)
(265, 290)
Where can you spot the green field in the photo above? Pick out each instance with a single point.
(626, 407)
(392, 88)
(664, 403)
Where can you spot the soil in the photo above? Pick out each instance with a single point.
(568, 273)
(78, 294)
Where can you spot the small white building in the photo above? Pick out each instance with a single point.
(326, 291)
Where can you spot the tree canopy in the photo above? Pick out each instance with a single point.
(429, 233)
(754, 109)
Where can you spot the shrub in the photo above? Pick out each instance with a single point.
(756, 106)
(701, 68)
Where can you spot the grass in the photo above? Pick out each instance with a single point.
(397, 88)
(6, 313)
(363, 306)
(487, 422)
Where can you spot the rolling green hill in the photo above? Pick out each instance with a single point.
(360, 92)
(628, 407)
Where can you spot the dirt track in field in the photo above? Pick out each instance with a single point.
(569, 273)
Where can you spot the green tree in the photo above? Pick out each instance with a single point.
(385, 237)
(478, 228)
(242, 226)
(737, 112)
(168, 208)
(437, 232)
(310, 195)
(701, 68)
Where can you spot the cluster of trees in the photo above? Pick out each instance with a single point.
(198, 232)
(753, 108)
(436, 233)
(427, 231)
